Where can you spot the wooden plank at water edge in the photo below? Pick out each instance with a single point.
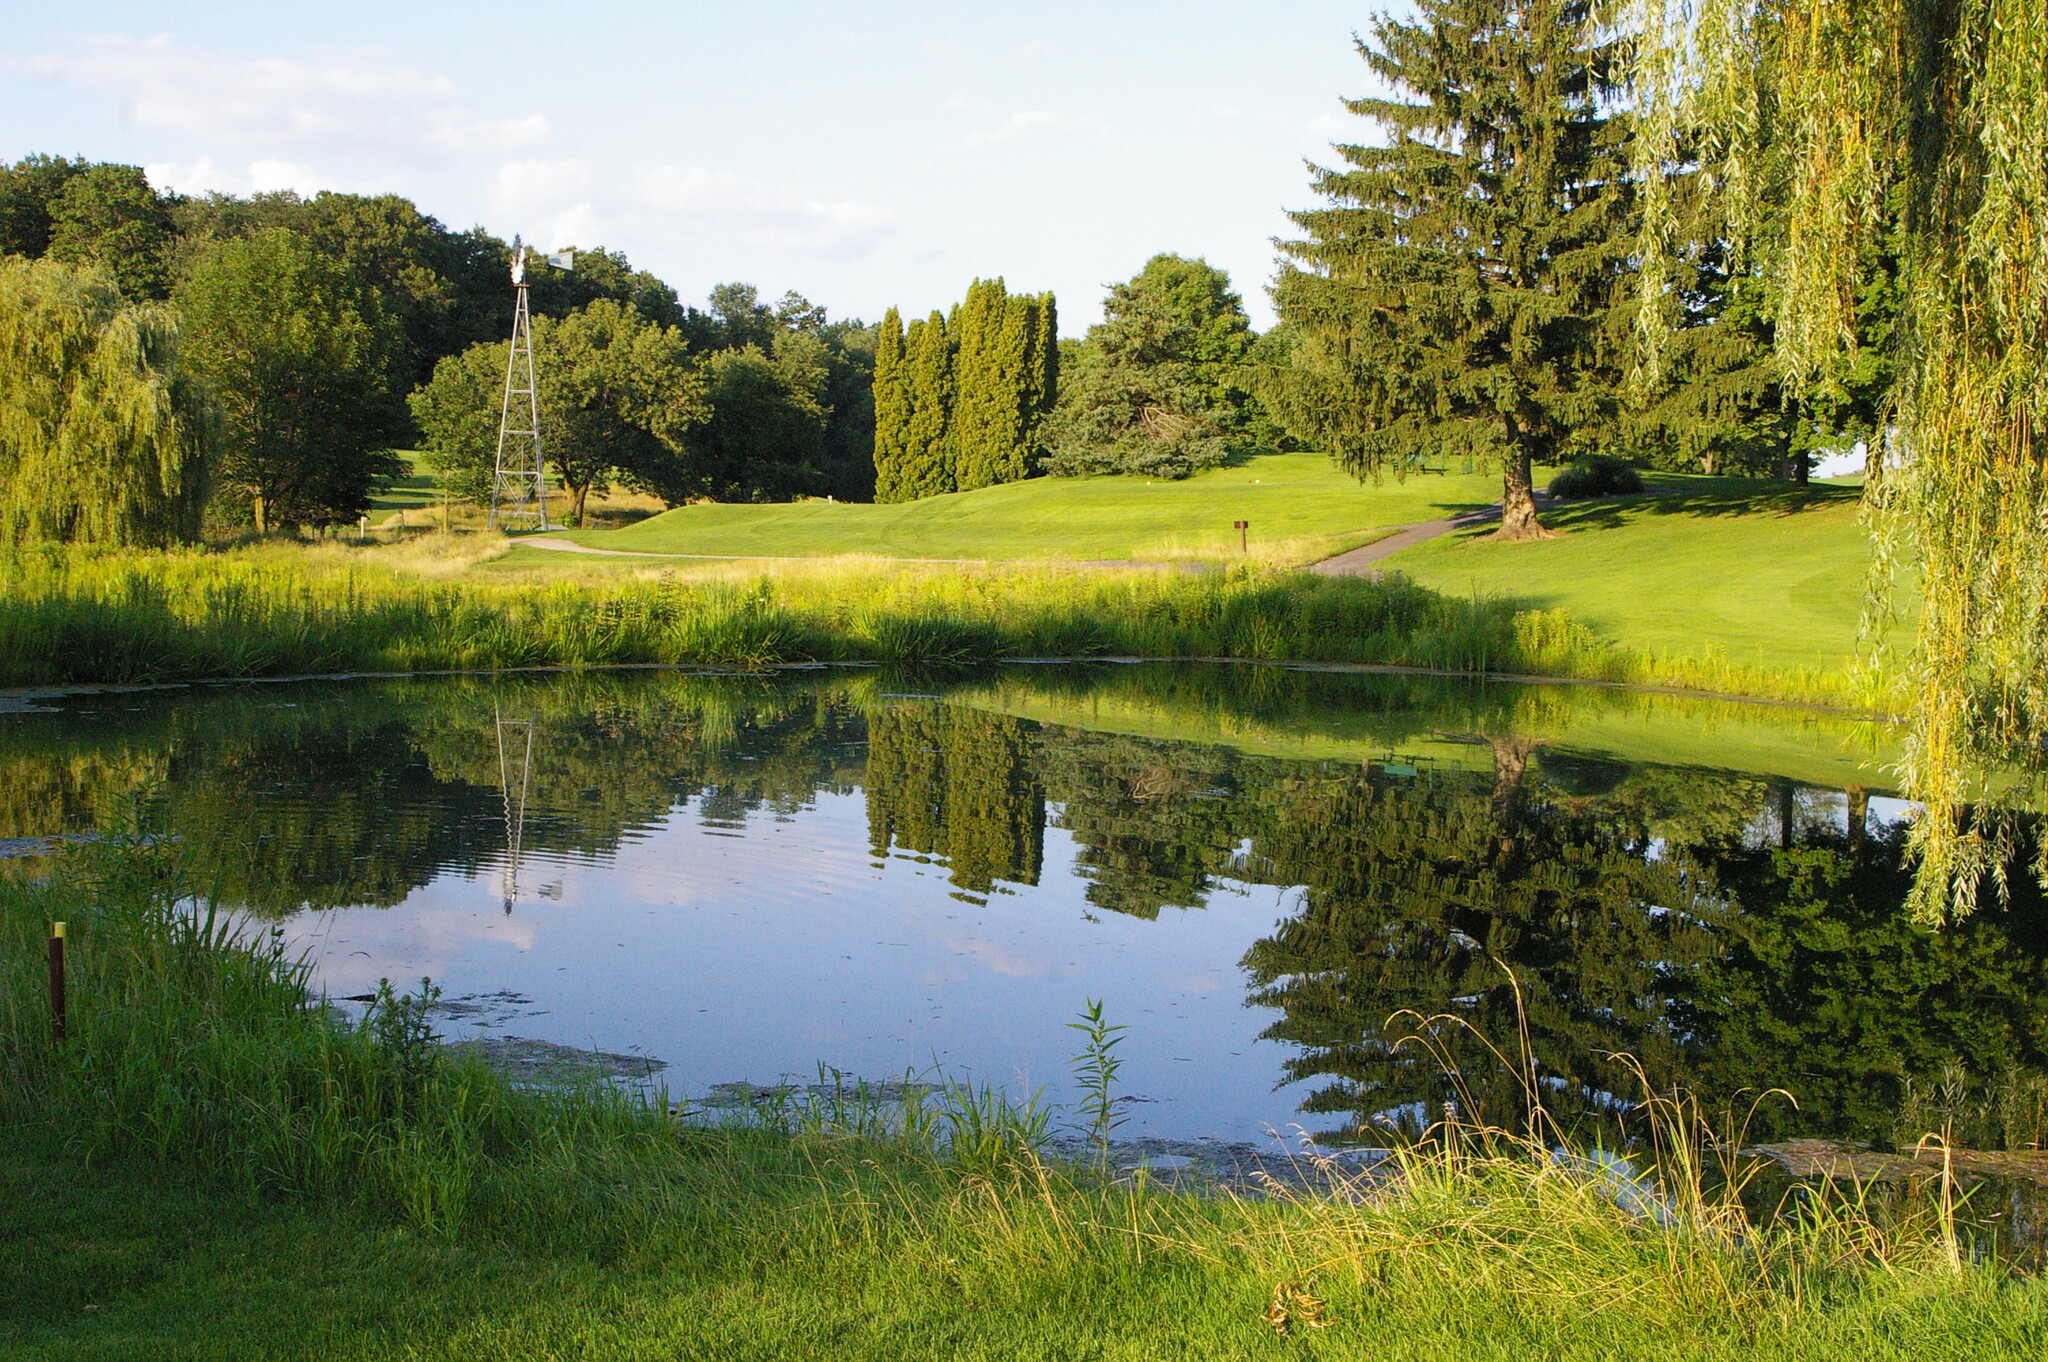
(1832, 1159)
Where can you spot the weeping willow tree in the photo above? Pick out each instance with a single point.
(101, 440)
(1851, 125)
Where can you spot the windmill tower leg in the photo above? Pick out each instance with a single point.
(519, 491)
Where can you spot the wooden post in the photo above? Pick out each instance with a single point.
(57, 981)
(1243, 535)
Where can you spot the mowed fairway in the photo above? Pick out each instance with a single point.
(1301, 508)
(1759, 574)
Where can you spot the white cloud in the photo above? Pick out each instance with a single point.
(694, 201)
(566, 203)
(1326, 125)
(266, 176)
(552, 199)
(351, 103)
(1020, 124)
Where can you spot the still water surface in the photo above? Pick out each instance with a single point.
(1268, 875)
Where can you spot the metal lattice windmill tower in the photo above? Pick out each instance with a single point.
(519, 486)
(515, 802)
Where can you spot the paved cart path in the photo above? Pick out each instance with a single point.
(1360, 562)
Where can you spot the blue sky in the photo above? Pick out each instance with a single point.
(863, 154)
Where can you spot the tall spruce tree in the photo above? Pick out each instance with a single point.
(1462, 291)
(892, 410)
(927, 465)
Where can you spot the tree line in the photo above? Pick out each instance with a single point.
(1470, 290)
(173, 363)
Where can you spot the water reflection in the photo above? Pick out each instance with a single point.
(1275, 875)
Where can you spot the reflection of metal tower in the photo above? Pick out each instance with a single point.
(519, 486)
(515, 806)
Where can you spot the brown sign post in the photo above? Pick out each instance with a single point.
(57, 981)
(1243, 542)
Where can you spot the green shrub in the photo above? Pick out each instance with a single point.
(1597, 475)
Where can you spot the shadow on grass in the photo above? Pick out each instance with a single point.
(1729, 497)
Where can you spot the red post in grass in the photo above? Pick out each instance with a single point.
(57, 981)
(1243, 539)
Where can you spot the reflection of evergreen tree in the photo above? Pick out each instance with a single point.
(1410, 886)
(1826, 989)
(958, 784)
(1153, 822)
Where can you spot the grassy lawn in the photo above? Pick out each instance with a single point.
(1763, 575)
(130, 1264)
(1301, 507)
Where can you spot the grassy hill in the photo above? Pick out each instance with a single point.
(1762, 574)
(1301, 508)
(1757, 575)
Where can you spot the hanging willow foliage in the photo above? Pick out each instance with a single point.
(102, 441)
(1844, 121)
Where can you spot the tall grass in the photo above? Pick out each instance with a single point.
(276, 611)
(199, 1047)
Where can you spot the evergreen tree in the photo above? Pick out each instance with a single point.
(892, 411)
(1155, 389)
(1462, 290)
(927, 467)
(1042, 361)
(988, 369)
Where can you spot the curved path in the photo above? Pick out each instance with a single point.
(1359, 562)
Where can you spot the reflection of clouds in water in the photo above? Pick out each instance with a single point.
(673, 864)
(352, 948)
(1003, 960)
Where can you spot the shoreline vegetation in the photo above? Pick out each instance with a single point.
(378, 1192)
(73, 617)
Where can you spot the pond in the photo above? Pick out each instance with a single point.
(1274, 877)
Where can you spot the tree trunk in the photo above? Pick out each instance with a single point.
(260, 510)
(1518, 501)
(578, 495)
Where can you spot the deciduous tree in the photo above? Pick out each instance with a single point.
(300, 364)
(103, 439)
(109, 216)
(1816, 120)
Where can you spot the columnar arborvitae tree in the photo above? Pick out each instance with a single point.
(892, 410)
(994, 387)
(974, 386)
(102, 438)
(1042, 361)
(1462, 290)
(980, 426)
(927, 467)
